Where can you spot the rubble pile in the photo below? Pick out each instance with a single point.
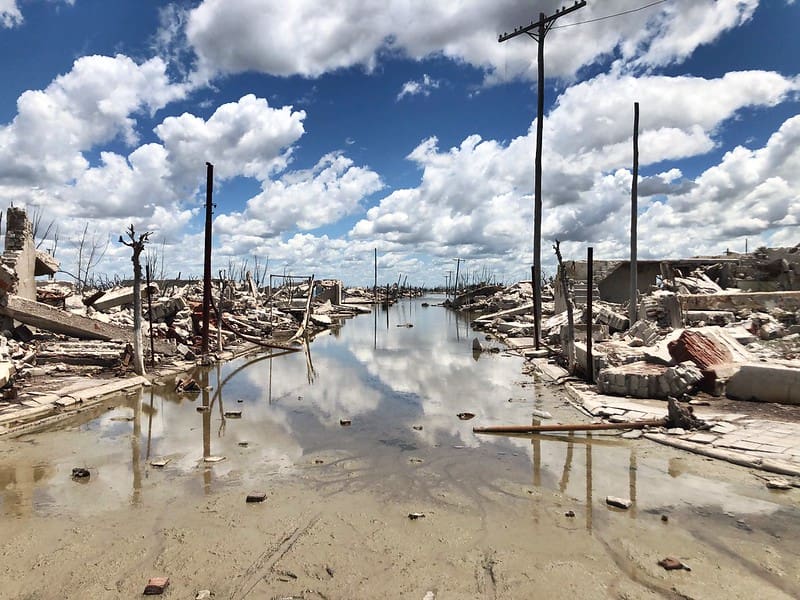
(700, 326)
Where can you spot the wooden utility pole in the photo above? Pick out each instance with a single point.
(538, 31)
(207, 256)
(633, 308)
(458, 267)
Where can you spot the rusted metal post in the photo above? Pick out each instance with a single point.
(589, 317)
(207, 256)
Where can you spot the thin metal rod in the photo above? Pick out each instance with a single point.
(570, 427)
(207, 256)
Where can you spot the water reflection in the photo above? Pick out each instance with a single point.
(386, 382)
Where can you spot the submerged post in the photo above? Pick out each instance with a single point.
(207, 256)
(632, 311)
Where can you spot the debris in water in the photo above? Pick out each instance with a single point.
(239, 400)
(623, 503)
(187, 385)
(203, 595)
(672, 564)
(569, 513)
(160, 462)
(244, 444)
(345, 422)
(424, 305)
(405, 325)
(778, 483)
(415, 515)
(80, 473)
(466, 416)
(202, 408)
(319, 461)
(156, 586)
(233, 414)
(256, 497)
(213, 459)
(416, 427)
(414, 459)
(542, 414)
(665, 518)
(122, 419)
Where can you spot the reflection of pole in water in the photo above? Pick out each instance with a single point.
(536, 444)
(589, 481)
(150, 422)
(136, 450)
(206, 431)
(375, 327)
(269, 389)
(310, 373)
(567, 464)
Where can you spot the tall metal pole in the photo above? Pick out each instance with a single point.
(375, 282)
(541, 27)
(633, 308)
(207, 256)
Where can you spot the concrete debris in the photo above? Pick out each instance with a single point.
(645, 380)
(623, 503)
(717, 324)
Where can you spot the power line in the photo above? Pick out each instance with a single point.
(619, 14)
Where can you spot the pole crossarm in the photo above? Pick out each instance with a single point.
(547, 22)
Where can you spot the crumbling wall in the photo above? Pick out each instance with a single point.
(20, 253)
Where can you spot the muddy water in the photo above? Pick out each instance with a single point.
(349, 438)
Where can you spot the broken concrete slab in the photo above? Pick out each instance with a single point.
(763, 382)
(51, 319)
(787, 300)
(122, 297)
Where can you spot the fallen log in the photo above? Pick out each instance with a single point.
(570, 427)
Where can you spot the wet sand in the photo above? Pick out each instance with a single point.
(336, 525)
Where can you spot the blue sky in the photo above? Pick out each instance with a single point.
(336, 128)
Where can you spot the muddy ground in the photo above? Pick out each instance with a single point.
(336, 525)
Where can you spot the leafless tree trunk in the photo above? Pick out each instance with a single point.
(137, 245)
(562, 274)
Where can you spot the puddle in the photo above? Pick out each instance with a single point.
(386, 381)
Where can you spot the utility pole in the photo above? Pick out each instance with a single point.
(541, 27)
(207, 257)
(633, 308)
(458, 267)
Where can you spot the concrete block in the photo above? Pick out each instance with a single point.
(765, 383)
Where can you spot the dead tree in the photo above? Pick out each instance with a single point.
(562, 275)
(137, 245)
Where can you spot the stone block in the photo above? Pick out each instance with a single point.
(765, 383)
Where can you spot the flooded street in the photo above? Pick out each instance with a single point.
(346, 441)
